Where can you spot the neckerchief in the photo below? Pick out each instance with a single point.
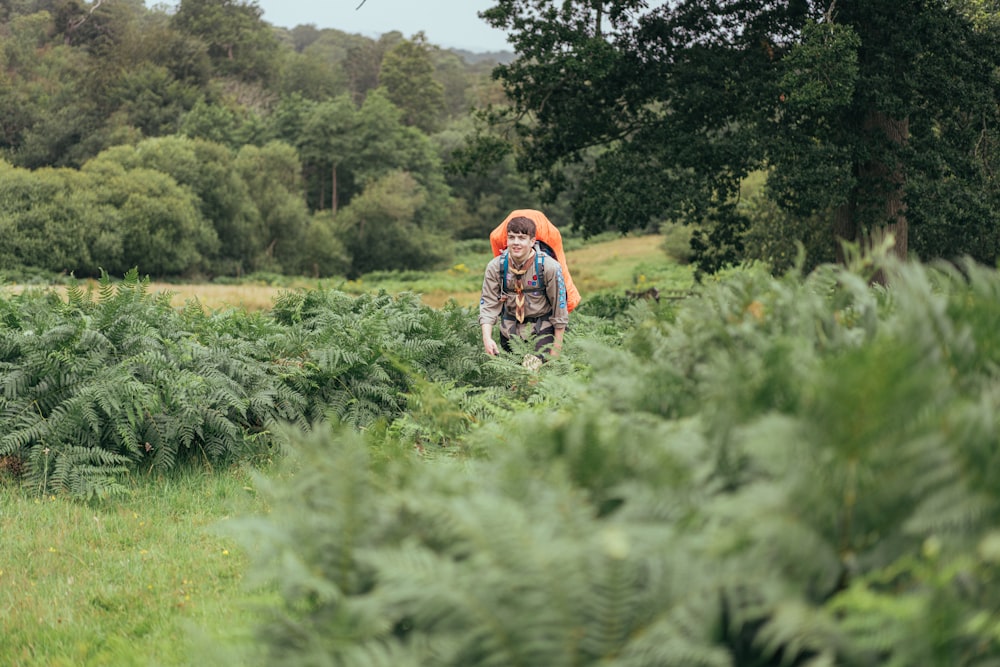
(519, 290)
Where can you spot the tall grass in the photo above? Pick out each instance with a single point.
(150, 581)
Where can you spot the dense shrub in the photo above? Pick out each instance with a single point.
(116, 383)
(105, 385)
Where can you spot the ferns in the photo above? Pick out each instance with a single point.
(118, 385)
(123, 372)
(447, 563)
(795, 471)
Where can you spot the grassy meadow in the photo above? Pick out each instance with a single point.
(148, 581)
(154, 579)
(607, 263)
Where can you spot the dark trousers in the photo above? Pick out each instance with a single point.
(543, 339)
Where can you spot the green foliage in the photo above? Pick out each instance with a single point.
(327, 142)
(775, 236)
(385, 145)
(83, 84)
(159, 224)
(808, 90)
(223, 197)
(40, 217)
(94, 389)
(438, 564)
(272, 175)
(790, 470)
(239, 42)
(152, 99)
(378, 229)
(360, 355)
(316, 72)
(677, 241)
(407, 75)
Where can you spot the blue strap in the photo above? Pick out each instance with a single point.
(539, 269)
(506, 265)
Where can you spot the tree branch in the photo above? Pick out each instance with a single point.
(79, 21)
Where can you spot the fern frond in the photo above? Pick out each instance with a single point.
(82, 472)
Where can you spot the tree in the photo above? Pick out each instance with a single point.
(321, 253)
(326, 143)
(385, 145)
(343, 148)
(207, 170)
(311, 74)
(158, 226)
(46, 220)
(407, 74)
(273, 176)
(100, 217)
(457, 80)
(239, 42)
(855, 108)
(151, 98)
(486, 195)
(212, 122)
(379, 232)
(364, 60)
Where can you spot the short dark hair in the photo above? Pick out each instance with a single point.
(521, 225)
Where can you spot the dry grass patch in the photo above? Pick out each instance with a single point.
(603, 266)
(216, 297)
(596, 267)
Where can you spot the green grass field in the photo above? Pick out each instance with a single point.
(608, 263)
(151, 580)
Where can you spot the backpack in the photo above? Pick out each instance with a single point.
(549, 241)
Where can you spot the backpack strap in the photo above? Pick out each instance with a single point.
(540, 267)
(503, 273)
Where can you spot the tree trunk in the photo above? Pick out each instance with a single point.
(888, 182)
(845, 228)
(333, 192)
(877, 209)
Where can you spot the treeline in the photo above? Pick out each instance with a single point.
(203, 141)
(864, 122)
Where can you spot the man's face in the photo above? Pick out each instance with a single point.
(519, 245)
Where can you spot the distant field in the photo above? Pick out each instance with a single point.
(601, 266)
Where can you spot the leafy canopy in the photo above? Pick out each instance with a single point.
(860, 112)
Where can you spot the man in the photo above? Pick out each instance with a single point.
(530, 300)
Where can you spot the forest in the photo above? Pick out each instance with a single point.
(790, 459)
(200, 141)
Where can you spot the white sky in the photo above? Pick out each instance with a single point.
(447, 23)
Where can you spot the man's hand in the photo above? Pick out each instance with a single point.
(490, 346)
(557, 343)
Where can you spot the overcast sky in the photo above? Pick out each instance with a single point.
(447, 23)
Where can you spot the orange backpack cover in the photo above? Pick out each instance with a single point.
(547, 233)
